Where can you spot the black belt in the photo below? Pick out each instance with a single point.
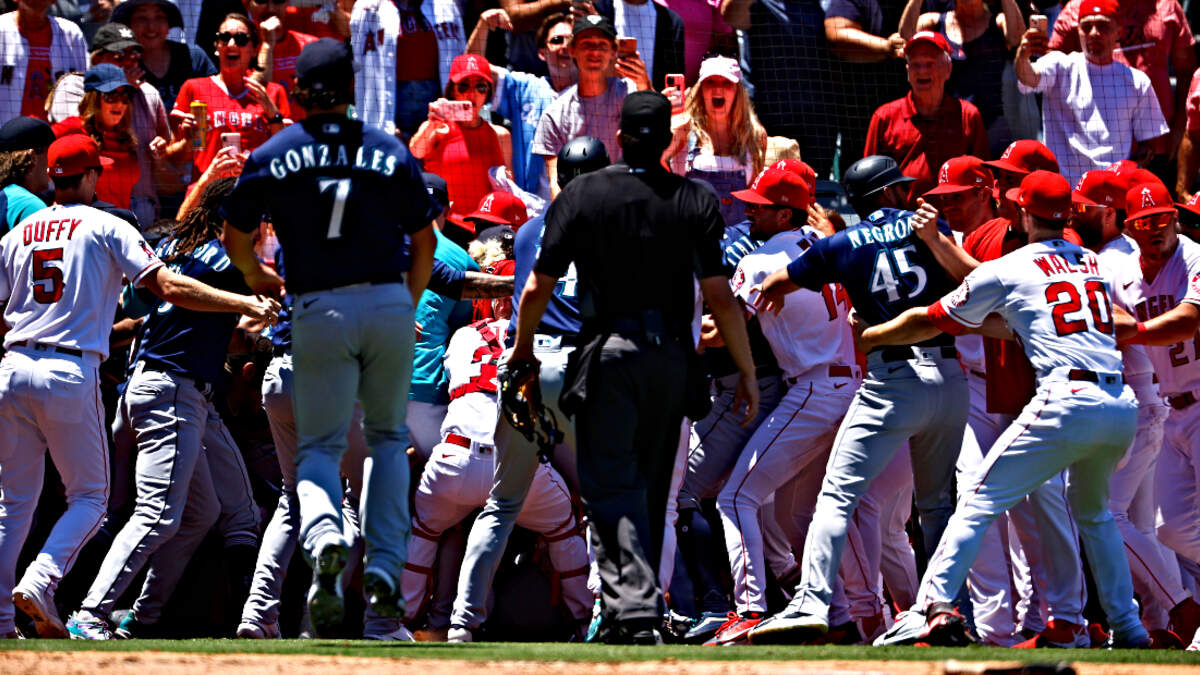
(906, 353)
(1081, 375)
(976, 373)
(70, 351)
(1181, 401)
(834, 371)
(564, 339)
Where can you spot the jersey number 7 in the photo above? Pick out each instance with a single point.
(1065, 300)
(341, 191)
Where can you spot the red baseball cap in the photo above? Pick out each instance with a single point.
(1192, 204)
(936, 39)
(960, 174)
(1148, 199)
(1122, 167)
(801, 169)
(466, 65)
(73, 154)
(1045, 194)
(777, 188)
(1139, 176)
(501, 208)
(1107, 8)
(1100, 188)
(1025, 156)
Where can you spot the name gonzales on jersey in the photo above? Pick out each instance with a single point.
(320, 155)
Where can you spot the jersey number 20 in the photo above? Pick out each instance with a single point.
(1065, 300)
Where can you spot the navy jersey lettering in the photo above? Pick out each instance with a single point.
(562, 314)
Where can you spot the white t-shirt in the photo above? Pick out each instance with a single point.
(1053, 297)
(1092, 113)
(811, 330)
(638, 21)
(471, 366)
(1177, 366)
(63, 270)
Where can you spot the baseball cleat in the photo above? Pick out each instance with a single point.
(789, 627)
(325, 606)
(1161, 638)
(459, 634)
(1185, 617)
(1060, 635)
(939, 625)
(130, 628)
(398, 634)
(381, 593)
(707, 626)
(42, 611)
(1138, 640)
(253, 630)
(1195, 646)
(736, 630)
(83, 625)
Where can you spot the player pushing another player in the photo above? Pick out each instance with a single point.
(1082, 418)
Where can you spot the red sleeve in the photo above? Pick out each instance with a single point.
(1072, 236)
(972, 243)
(873, 136)
(943, 320)
(977, 138)
(1193, 103)
(71, 125)
(1064, 34)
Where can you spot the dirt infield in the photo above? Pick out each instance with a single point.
(164, 663)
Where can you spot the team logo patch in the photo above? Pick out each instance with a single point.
(1147, 198)
(739, 278)
(330, 128)
(146, 247)
(1196, 284)
(958, 296)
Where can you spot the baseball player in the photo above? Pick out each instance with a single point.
(62, 275)
(167, 411)
(916, 393)
(1167, 282)
(458, 478)
(1099, 204)
(516, 457)
(817, 359)
(355, 282)
(1083, 417)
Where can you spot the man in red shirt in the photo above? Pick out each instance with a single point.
(278, 47)
(928, 126)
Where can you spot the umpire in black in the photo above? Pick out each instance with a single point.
(639, 236)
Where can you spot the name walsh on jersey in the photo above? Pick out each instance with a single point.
(320, 155)
(1056, 263)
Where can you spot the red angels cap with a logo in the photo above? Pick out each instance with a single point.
(1108, 8)
(73, 154)
(929, 37)
(775, 187)
(501, 208)
(1100, 188)
(1026, 156)
(1148, 199)
(1045, 194)
(801, 169)
(959, 174)
(1192, 204)
(466, 65)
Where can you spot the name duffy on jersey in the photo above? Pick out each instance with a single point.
(321, 155)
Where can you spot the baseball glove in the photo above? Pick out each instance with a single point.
(521, 406)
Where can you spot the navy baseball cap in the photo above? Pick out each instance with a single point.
(105, 77)
(124, 11)
(646, 115)
(25, 133)
(435, 185)
(326, 64)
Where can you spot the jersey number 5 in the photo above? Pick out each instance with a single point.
(1061, 309)
(341, 191)
(43, 272)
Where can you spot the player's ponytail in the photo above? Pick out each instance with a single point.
(202, 222)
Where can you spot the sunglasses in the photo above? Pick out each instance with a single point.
(127, 55)
(464, 86)
(557, 40)
(1084, 208)
(239, 39)
(1152, 223)
(116, 97)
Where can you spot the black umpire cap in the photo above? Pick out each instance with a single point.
(325, 65)
(646, 115)
(25, 133)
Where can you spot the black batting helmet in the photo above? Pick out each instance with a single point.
(867, 177)
(579, 156)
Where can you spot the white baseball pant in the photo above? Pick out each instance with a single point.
(1177, 481)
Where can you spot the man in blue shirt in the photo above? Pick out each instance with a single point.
(23, 172)
(917, 393)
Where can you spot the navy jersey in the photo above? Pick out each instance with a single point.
(281, 332)
(185, 342)
(341, 196)
(881, 263)
(562, 314)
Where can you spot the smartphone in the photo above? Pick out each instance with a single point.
(626, 47)
(1040, 23)
(677, 81)
(232, 140)
(455, 111)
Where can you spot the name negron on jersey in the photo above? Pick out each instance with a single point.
(881, 234)
(1056, 263)
(318, 155)
(45, 230)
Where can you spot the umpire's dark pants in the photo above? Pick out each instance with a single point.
(628, 434)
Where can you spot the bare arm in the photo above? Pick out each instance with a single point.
(911, 327)
(506, 149)
(957, 262)
(188, 293)
(736, 13)
(552, 174)
(527, 16)
(123, 332)
(239, 246)
(1177, 325)
(1014, 23)
(908, 20)
(422, 144)
(480, 285)
(731, 322)
(1033, 43)
(422, 244)
(1189, 165)
(850, 42)
(1183, 64)
(489, 20)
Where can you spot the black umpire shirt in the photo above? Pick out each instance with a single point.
(638, 238)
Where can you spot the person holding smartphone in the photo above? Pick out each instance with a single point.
(459, 145)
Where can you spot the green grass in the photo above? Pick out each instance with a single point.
(599, 653)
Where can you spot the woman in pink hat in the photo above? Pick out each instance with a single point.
(463, 151)
(718, 138)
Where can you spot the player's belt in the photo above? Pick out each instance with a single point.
(70, 351)
(834, 371)
(1184, 400)
(1081, 375)
(464, 442)
(553, 340)
(906, 353)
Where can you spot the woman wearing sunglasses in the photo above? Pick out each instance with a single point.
(463, 151)
(236, 102)
(106, 114)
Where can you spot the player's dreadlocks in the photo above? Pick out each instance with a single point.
(202, 222)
